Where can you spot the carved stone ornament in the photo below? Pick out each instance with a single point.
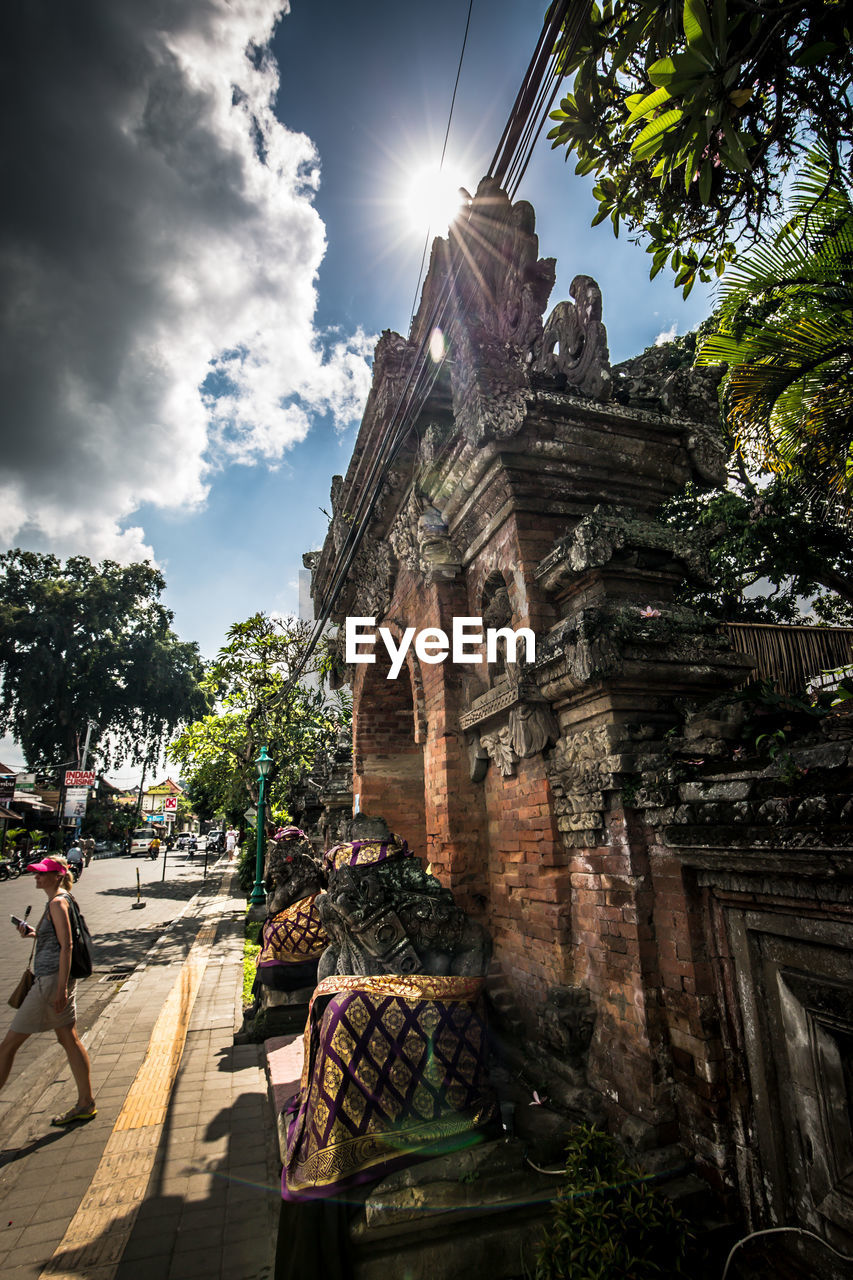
(579, 769)
(513, 723)
(610, 532)
(509, 283)
(403, 535)
(575, 342)
(421, 542)
(707, 451)
(491, 392)
(498, 745)
(373, 571)
(385, 913)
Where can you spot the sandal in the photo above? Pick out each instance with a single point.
(76, 1113)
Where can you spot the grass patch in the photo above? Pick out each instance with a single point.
(251, 949)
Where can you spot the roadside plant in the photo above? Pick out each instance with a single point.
(608, 1223)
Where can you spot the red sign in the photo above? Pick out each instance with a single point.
(170, 804)
(80, 777)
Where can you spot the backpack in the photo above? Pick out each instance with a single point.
(82, 947)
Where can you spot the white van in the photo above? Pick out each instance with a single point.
(140, 841)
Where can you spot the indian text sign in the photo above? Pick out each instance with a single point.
(80, 777)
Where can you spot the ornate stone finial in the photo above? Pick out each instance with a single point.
(575, 342)
(500, 250)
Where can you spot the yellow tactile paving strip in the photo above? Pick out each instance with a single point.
(101, 1227)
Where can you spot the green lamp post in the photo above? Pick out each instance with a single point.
(263, 764)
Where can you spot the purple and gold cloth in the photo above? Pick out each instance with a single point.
(394, 1066)
(293, 936)
(364, 853)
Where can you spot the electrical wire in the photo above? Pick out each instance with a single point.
(772, 1231)
(443, 150)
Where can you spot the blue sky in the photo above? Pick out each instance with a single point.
(186, 217)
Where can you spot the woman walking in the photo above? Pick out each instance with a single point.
(49, 1005)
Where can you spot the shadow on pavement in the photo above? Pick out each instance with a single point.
(11, 1154)
(202, 1215)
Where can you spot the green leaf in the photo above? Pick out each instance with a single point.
(814, 53)
(648, 140)
(706, 177)
(697, 27)
(641, 104)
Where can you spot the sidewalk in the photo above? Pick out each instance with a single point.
(177, 1178)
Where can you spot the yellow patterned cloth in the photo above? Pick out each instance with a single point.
(394, 1067)
(364, 853)
(294, 935)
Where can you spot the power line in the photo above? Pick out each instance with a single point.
(443, 151)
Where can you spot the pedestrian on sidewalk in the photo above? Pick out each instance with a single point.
(230, 843)
(49, 1004)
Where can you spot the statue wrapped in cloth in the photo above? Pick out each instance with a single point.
(395, 1047)
(293, 938)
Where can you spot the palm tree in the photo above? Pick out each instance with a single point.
(785, 329)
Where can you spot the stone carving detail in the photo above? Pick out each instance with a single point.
(390, 915)
(517, 723)
(532, 727)
(609, 533)
(662, 379)
(574, 342)
(498, 746)
(490, 389)
(291, 872)
(579, 769)
(439, 557)
(512, 284)
(500, 319)
(478, 757)
(373, 570)
(421, 542)
(566, 1023)
(708, 453)
(403, 534)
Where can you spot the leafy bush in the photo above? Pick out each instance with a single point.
(246, 867)
(608, 1223)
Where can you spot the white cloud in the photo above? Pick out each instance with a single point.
(158, 254)
(667, 335)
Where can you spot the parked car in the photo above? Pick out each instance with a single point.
(140, 841)
(216, 840)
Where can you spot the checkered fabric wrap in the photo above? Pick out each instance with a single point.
(394, 1067)
(294, 935)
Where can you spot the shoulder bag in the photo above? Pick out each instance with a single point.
(19, 995)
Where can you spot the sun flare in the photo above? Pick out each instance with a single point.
(432, 199)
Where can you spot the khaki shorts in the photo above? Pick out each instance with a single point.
(37, 1012)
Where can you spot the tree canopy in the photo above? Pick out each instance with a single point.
(255, 706)
(90, 643)
(690, 114)
(784, 329)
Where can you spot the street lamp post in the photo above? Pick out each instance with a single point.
(263, 764)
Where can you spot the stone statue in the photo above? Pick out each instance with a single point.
(384, 913)
(395, 1046)
(293, 938)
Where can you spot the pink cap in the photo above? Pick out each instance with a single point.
(48, 864)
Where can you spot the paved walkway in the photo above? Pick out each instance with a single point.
(177, 1178)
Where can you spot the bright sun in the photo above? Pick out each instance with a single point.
(432, 200)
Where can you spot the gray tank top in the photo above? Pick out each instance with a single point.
(46, 959)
